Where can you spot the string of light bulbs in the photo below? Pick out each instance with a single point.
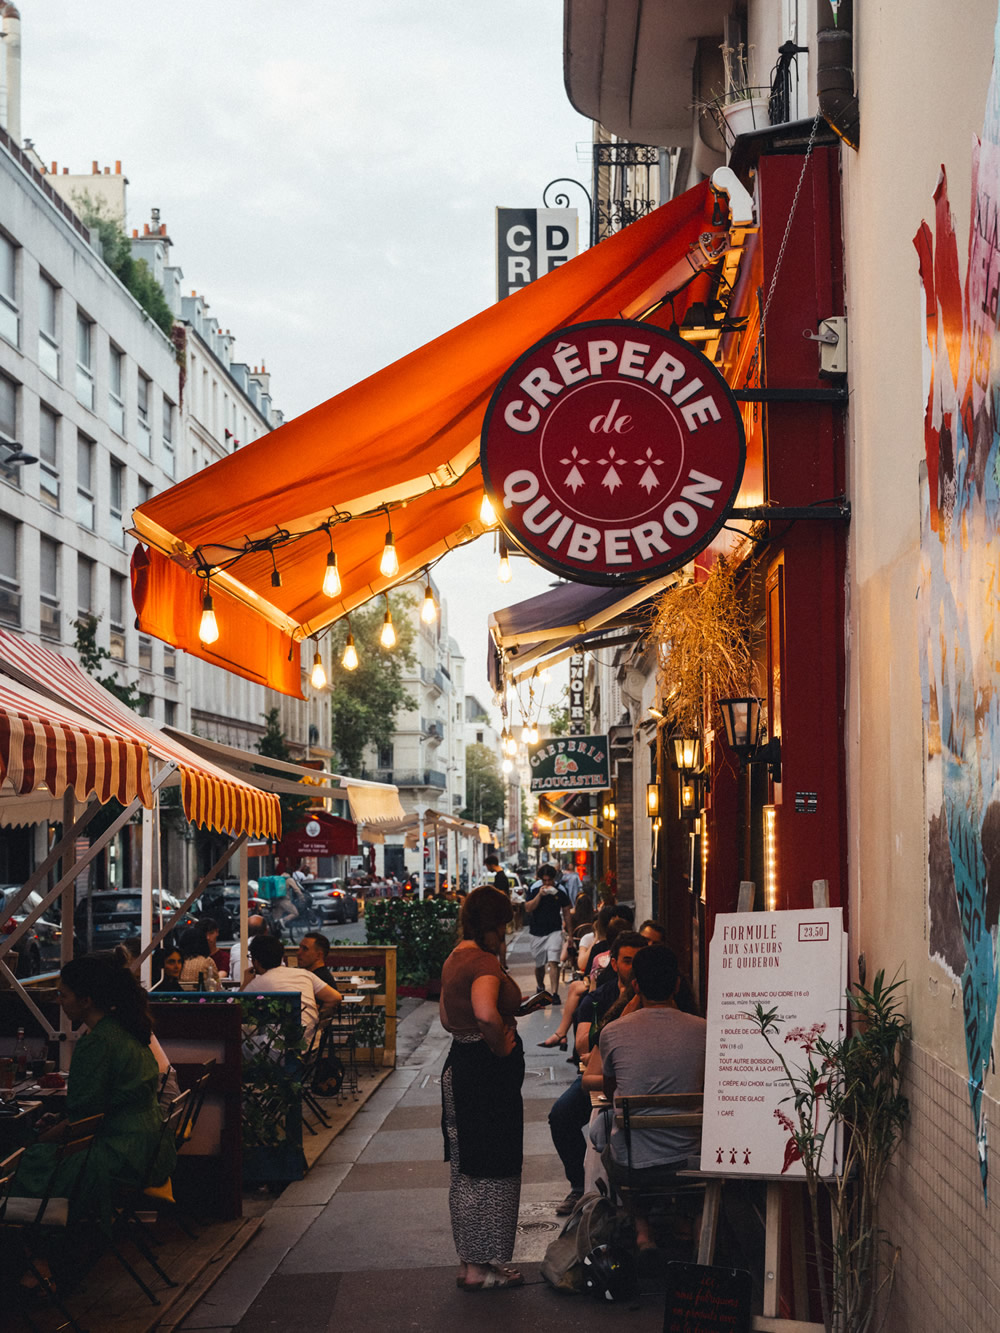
(331, 583)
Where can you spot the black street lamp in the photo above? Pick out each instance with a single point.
(742, 720)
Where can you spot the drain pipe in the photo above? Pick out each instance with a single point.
(838, 102)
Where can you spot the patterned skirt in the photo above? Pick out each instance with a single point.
(483, 1209)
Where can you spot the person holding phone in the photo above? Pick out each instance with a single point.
(482, 1113)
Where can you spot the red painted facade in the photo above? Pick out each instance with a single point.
(798, 588)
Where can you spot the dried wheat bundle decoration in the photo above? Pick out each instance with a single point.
(702, 632)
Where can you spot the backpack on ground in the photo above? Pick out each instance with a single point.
(594, 1221)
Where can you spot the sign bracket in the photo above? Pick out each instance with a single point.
(839, 509)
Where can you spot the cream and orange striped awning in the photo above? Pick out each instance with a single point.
(45, 746)
(210, 796)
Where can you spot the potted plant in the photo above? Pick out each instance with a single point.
(742, 105)
(852, 1084)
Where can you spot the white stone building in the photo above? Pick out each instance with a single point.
(94, 389)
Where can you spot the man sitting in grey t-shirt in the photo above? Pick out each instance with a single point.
(655, 1049)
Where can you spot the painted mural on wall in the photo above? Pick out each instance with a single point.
(960, 596)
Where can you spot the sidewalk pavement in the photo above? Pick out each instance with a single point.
(364, 1245)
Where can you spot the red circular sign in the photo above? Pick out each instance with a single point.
(612, 452)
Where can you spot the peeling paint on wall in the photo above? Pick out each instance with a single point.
(960, 614)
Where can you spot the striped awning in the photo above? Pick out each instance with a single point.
(44, 746)
(210, 797)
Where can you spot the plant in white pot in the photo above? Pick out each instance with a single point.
(742, 106)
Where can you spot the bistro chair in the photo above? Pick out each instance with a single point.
(310, 1068)
(31, 1223)
(162, 1196)
(639, 1114)
(126, 1222)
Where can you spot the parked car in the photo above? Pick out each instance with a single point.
(221, 900)
(38, 949)
(117, 916)
(335, 904)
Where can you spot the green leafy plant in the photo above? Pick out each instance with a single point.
(424, 933)
(273, 745)
(851, 1083)
(364, 702)
(116, 251)
(485, 789)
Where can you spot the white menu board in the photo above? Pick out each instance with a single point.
(795, 962)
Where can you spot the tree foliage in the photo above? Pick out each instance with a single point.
(364, 702)
(559, 714)
(135, 274)
(93, 657)
(484, 787)
(274, 746)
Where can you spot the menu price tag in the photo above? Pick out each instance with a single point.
(794, 962)
(703, 1299)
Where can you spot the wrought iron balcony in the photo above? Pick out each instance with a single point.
(430, 777)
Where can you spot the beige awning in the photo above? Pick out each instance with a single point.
(369, 802)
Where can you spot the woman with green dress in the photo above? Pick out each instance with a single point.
(113, 1072)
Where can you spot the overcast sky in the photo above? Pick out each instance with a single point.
(328, 172)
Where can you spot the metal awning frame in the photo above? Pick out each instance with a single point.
(63, 848)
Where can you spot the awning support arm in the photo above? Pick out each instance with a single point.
(62, 847)
(196, 892)
(14, 984)
(583, 819)
(82, 861)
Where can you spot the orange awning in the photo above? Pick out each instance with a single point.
(409, 433)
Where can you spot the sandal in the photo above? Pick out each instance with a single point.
(495, 1278)
(551, 1043)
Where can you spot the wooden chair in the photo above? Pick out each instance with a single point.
(639, 1114)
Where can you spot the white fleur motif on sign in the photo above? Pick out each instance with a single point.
(574, 479)
(649, 478)
(611, 478)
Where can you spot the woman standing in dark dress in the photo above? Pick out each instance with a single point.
(482, 1113)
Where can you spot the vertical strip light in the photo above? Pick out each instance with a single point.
(770, 858)
(703, 822)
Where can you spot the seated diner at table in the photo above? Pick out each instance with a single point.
(198, 971)
(113, 1073)
(267, 955)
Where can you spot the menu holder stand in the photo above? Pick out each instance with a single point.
(782, 1194)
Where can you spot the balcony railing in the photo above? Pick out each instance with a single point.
(432, 728)
(430, 777)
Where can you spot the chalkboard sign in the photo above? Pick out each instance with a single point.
(703, 1299)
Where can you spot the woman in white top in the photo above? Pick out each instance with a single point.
(198, 972)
